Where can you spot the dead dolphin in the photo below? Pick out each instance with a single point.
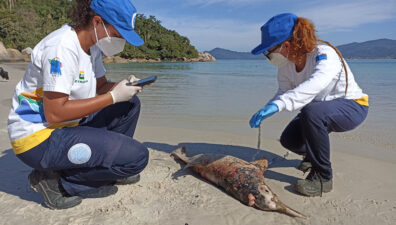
(243, 180)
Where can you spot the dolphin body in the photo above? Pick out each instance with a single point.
(243, 180)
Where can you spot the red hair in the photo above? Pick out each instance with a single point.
(304, 39)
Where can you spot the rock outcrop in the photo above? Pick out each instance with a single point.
(202, 57)
(10, 55)
(3, 52)
(13, 55)
(27, 52)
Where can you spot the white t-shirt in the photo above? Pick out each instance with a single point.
(322, 79)
(58, 64)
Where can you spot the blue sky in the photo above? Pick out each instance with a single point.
(235, 24)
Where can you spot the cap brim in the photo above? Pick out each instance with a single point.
(259, 49)
(131, 36)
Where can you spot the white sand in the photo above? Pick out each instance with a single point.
(364, 182)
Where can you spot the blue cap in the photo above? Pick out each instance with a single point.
(121, 14)
(277, 30)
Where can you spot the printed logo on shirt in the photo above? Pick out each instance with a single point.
(81, 78)
(321, 57)
(56, 66)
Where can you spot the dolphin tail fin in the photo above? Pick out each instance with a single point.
(180, 153)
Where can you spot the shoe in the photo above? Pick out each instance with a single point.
(305, 165)
(128, 180)
(47, 183)
(313, 185)
(100, 192)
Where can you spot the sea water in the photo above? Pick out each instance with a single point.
(218, 94)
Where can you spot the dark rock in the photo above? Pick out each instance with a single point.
(4, 74)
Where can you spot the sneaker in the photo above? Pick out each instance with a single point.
(128, 180)
(100, 192)
(47, 183)
(305, 165)
(313, 185)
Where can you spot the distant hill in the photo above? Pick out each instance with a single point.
(220, 53)
(376, 49)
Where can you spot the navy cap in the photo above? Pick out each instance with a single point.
(121, 14)
(277, 30)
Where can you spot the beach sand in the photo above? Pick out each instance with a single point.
(364, 182)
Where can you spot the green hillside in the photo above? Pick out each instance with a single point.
(26, 22)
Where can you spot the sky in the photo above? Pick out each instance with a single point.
(235, 24)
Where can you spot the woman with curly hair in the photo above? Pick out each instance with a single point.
(68, 122)
(313, 77)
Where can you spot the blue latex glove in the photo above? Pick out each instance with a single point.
(263, 114)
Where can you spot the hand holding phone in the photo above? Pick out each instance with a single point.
(122, 92)
(143, 82)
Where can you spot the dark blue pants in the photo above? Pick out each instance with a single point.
(308, 133)
(97, 152)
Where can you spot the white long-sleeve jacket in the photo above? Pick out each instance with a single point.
(322, 79)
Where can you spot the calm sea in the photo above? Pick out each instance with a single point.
(232, 90)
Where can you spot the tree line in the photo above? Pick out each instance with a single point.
(23, 23)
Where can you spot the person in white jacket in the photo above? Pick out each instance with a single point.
(313, 77)
(68, 122)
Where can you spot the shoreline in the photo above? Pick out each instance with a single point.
(137, 60)
(121, 61)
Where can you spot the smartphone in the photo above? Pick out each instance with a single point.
(144, 81)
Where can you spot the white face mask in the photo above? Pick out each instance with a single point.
(110, 45)
(278, 59)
